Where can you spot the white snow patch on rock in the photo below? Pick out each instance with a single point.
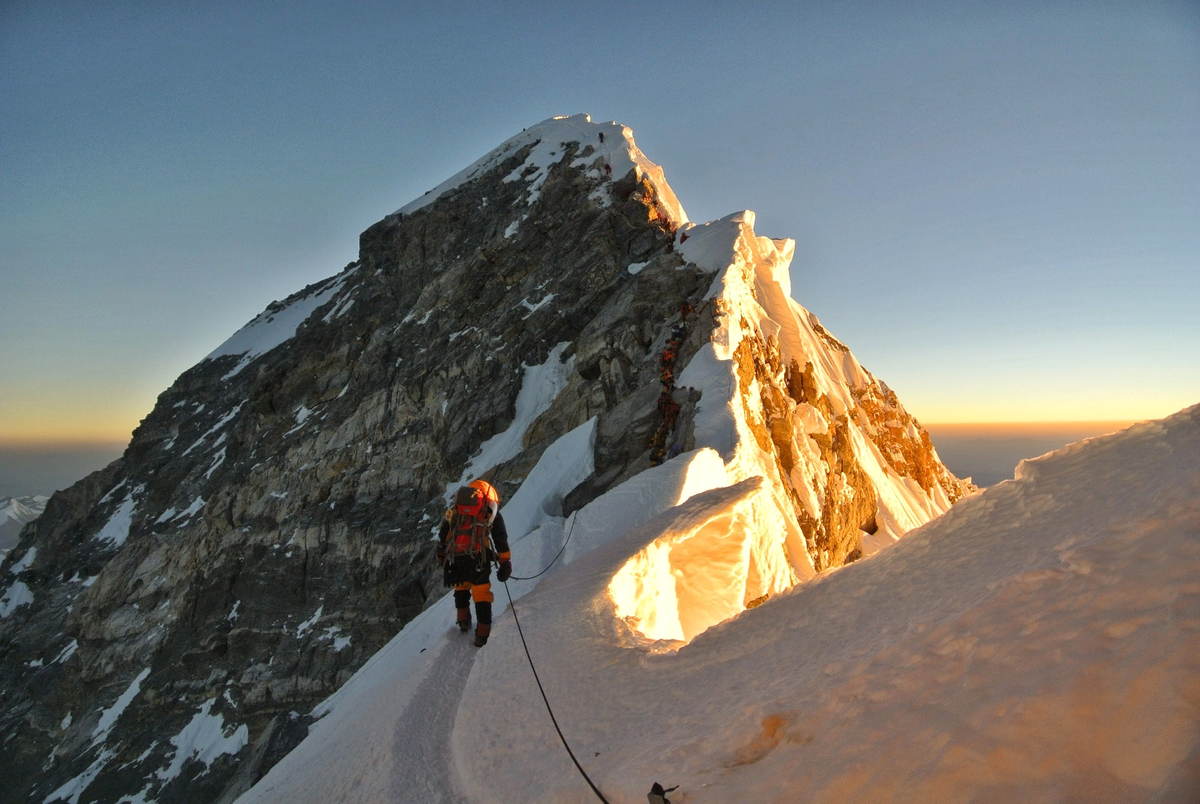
(17, 595)
(539, 387)
(192, 509)
(25, 563)
(108, 718)
(73, 789)
(310, 622)
(67, 652)
(203, 739)
(116, 529)
(533, 307)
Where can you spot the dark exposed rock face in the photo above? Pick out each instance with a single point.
(279, 511)
(267, 529)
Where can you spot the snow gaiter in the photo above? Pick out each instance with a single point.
(483, 613)
(462, 606)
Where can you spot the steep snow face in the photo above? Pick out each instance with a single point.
(278, 323)
(605, 149)
(784, 403)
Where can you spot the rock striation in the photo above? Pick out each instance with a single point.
(171, 617)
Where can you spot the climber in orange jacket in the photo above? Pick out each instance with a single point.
(472, 535)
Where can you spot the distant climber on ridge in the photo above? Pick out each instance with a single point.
(471, 537)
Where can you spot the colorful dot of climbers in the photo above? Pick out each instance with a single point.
(667, 406)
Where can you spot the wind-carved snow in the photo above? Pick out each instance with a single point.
(203, 739)
(116, 529)
(108, 717)
(539, 387)
(702, 568)
(535, 306)
(74, 788)
(15, 596)
(277, 324)
(67, 652)
(25, 563)
(221, 422)
(564, 465)
(611, 143)
(310, 622)
(191, 510)
(1044, 612)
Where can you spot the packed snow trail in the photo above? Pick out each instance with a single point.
(422, 768)
(358, 753)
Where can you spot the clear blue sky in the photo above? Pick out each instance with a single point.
(996, 205)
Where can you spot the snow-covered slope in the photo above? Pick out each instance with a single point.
(1037, 644)
(798, 450)
(549, 319)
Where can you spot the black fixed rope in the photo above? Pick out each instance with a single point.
(553, 720)
(559, 553)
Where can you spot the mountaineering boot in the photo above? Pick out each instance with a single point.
(483, 613)
(462, 606)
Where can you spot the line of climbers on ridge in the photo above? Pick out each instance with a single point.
(667, 406)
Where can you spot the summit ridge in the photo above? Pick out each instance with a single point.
(549, 318)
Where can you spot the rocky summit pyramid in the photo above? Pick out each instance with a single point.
(547, 319)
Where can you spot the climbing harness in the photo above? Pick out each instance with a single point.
(546, 700)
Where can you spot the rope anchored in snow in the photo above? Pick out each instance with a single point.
(553, 720)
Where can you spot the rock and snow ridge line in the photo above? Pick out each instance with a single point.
(660, 580)
(323, 442)
(611, 142)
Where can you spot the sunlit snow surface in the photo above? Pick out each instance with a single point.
(1038, 643)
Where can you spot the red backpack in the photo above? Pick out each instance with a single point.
(471, 523)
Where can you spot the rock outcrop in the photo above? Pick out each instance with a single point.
(268, 527)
